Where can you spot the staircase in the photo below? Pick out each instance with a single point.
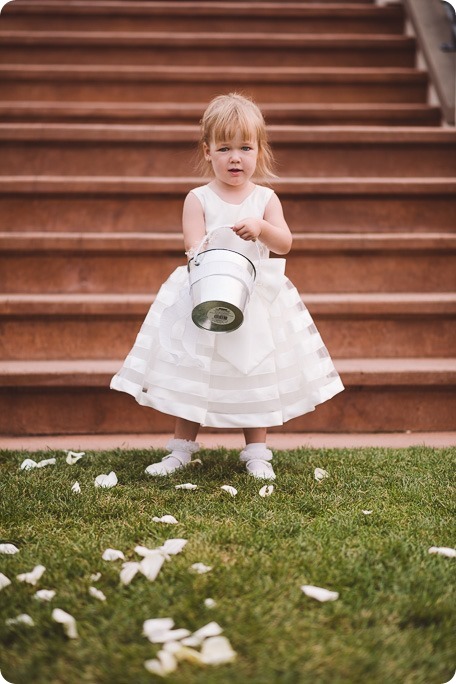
(99, 109)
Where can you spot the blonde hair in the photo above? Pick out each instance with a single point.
(225, 116)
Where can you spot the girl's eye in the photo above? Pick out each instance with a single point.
(223, 149)
(246, 148)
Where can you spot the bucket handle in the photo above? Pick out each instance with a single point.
(206, 239)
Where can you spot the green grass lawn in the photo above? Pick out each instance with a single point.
(394, 621)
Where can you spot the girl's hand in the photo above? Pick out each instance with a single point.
(249, 228)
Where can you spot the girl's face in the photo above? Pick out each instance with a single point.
(233, 161)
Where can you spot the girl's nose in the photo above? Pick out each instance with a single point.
(234, 155)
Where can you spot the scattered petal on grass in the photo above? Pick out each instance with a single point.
(129, 570)
(167, 519)
(4, 581)
(200, 568)
(196, 461)
(210, 630)
(157, 626)
(28, 464)
(8, 549)
(68, 622)
(320, 474)
(191, 641)
(95, 577)
(33, 576)
(96, 593)
(22, 619)
(367, 512)
(443, 551)
(106, 481)
(76, 488)
(209, 603)
(45, 594)
(112, 555)
(190, 655)
(46, 462)
(229, 489)
(266, 490)
(74, 456)
(172, 547)
(187, 485)
(151, 565)
(217, 650)
(163, 665)
(169, 635)
(319, 593)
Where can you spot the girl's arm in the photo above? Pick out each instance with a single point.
(193, 224)
(273, 230)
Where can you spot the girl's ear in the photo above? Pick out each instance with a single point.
(206, 152)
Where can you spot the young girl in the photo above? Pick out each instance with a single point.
(275, 366)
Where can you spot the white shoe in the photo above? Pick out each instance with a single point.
(180, 456)
(257, 459)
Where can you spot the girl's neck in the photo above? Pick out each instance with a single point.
(232, 194)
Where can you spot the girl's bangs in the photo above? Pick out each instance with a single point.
(227, 127)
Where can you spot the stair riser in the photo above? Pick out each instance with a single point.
(197, 55)
(343, 213)
(321, 117)
(98, 337)
(310, 272)
(168, 159)
(98, 411)
(233, 22)
(63, 90)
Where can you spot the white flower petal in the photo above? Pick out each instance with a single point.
(210, 630)
(172, 547)
(167, 519)
(155, 667)
(68, 622)
(192, 642)
(95, 577)
(320, 474)
(45, 594)
(200, 568)
(112, 555)
(157, 626)
(172, 646)
(76, 488)
(319, 593)
(189, 654)
(169, 635)
(106, 481)
(217, 650)
(8, 548)
(209, 603)
(151, 565)
(367, 512)
(187, 485)
(74, 456)
(196, 461)
(96, 593)
(28, 464)
(443, 551)
(33, 576)
(22, 619)
(129, 570)
(167, 661)
(4, 581)
(229, 489)
(46, 462)
(266, 490)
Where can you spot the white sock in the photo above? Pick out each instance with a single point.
(257, 457)
(180, 456)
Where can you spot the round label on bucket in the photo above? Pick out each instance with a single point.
(221, 315)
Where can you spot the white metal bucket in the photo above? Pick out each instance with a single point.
(221, 281)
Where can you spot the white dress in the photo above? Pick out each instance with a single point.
(273, 368)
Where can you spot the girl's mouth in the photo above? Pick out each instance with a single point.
(235, 171)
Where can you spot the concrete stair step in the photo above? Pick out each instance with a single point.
(167, 113)
(201, 48)
(110, 204)
(131, 263)
(71, 397)
(162, 84)
(71, 149)
(56, 326)
(273, 17)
